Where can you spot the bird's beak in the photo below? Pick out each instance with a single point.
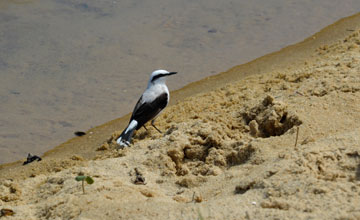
(172, 73)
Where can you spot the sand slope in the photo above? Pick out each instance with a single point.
(228, 153)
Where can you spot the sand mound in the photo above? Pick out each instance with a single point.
(269, 118)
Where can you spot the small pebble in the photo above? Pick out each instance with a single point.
(79, 133)
(212, 30)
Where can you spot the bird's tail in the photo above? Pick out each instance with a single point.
(126, 135)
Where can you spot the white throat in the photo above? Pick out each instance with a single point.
(160, 81)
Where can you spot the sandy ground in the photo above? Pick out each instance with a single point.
(69, 65)
(226, 153)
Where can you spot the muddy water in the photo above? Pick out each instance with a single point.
(69, 65)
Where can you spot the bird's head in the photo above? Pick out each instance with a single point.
(159, 76)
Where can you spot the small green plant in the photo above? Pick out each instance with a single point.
(88, 179)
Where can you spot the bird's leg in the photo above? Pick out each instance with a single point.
(145, 127)
(152, 123)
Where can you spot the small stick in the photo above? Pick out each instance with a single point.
(297, 135)
(83, 187)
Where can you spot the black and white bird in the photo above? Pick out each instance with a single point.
(155, 98)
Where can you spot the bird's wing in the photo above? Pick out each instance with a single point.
(145, 111)
(137, 106)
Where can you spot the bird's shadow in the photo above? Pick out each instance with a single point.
(142, 135)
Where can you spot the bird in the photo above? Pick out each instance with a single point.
(151, 103)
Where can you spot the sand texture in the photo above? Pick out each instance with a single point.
(69, 65)
(227, 153)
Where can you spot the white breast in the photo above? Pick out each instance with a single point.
(152, 92)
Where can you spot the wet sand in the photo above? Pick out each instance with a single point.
(69, 65)
(276, 138)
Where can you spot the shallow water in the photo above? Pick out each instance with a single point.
(69, 65)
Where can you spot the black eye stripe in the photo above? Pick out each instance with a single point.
(157, 77)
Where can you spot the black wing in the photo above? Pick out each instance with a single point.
(144, 112)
